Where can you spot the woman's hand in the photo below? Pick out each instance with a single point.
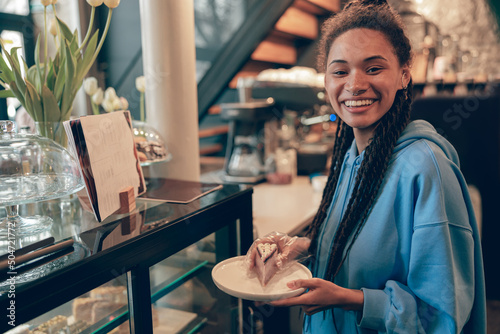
(289, 248)
(322, 295)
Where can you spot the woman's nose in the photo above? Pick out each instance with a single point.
(356, 84)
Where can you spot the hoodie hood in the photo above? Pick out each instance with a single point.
(420, 129)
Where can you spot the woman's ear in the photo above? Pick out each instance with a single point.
(406, 76)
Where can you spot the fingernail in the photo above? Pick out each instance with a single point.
(291, 284)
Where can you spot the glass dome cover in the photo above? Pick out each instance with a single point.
(34, 168)
(149, 145)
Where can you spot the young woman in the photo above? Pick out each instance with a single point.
(395, 245)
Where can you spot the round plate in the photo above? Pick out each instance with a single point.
(231, 277)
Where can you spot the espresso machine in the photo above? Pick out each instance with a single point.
(246, 146)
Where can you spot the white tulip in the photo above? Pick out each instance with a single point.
(110, 94)
(46, 3)
(140, 84)
(108, 105)
(95, 3)
(90, 85)
(112, 3)
(123, 103)
(98, 96)
(117, 104)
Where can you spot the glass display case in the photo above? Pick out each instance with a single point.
(144, 272)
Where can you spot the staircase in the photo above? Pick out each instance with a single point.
(278, 34)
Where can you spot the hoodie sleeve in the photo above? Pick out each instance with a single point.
(439, 292)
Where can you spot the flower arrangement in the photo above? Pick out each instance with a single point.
(48, 88)
(108, 99)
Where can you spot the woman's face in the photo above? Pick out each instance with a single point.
(362, 77)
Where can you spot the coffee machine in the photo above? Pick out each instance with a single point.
(246, 152)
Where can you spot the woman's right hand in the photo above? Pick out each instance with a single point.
(289, 248)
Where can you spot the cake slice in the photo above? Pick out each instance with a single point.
(266, 262)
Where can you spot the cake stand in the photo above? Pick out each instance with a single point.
(32, 169)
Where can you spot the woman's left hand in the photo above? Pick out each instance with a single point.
(322, 295)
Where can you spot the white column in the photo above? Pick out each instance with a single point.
(168, 50)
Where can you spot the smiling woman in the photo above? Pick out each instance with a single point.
(394, 245)
(362, 78)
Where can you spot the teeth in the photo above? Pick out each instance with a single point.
(358, 103)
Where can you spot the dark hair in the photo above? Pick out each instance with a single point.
(375, 15)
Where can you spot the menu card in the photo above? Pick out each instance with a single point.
(104, 145)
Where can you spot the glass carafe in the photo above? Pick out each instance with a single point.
(245, 159)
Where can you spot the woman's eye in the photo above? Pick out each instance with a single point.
(373, 69)
(339, 72)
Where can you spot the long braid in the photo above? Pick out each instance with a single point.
(376, 15)
(403, 118)
(344, 137)
(369, 178)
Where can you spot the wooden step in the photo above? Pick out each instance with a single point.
(251, 69)
(318, 7)
(330, 5)
(211, 149)
(276, 50)
(299, 23)
(213, 131)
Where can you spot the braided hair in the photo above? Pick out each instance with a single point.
(376, 15)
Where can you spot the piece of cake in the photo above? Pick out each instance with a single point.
(116, 294)
(82, 309)
(266, 262)
(103, 309)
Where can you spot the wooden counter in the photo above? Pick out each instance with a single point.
(285, 208)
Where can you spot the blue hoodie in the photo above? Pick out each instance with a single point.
(418, 257)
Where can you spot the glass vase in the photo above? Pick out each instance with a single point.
(52, 130)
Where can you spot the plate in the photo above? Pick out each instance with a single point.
(231, 277)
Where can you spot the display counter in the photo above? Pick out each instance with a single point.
(143, 272)
(286, 208)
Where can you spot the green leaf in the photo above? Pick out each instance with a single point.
(68, 96)
(67, 35)
(51, 76)
(50, 106)
(36, 102)
(84, 66)
(6, 71)
(60, 79)
(21, 85)
(37, 63)
(19, 95)
(73, 45)
(33, 77)
(6, 93)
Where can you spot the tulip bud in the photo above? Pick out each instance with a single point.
(90, 85)
(46, 3)
(112, 3)
(123, 103)
(53, 26)
(98, 96)
(95, 3)
(54, 2)
(140, 84)
(110, 94)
